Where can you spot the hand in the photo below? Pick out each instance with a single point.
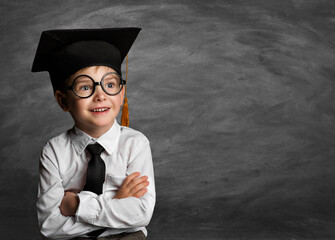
(133, 186)
(70, 203)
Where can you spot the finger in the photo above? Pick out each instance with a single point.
(137, 181)
(130, 177)
(139, 187)
(140, 193)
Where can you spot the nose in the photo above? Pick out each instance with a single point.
(99, 94)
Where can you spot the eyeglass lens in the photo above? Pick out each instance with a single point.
(84, 86)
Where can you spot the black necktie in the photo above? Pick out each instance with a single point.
(96, 169)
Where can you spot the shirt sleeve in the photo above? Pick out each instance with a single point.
(123, 213)
(50, 194)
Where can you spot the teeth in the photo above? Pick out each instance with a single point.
(100, 109)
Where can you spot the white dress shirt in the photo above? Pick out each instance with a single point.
(63, 166)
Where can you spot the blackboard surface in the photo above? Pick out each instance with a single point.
(236, 97)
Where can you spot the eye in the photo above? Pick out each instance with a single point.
(83, 84)
(85, 88)
(110, 85)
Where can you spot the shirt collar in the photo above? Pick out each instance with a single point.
(108, 140)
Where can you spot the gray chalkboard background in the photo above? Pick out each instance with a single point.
(236, 97)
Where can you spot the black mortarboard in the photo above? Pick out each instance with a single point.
(63, 52)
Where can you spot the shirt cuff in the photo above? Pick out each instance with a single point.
(89, 207)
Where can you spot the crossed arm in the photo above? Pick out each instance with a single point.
(132, 186)
(64, 215)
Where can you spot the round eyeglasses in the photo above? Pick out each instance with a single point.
(83, 86)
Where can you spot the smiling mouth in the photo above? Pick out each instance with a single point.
(100, 110)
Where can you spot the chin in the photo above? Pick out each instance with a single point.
(104, 124)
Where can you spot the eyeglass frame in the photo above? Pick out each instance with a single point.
(122, 82)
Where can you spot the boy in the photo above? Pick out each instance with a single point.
(96, 180)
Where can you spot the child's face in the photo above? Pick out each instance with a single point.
(94, 115)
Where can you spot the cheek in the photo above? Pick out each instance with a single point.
(77, 106)
(117, 101)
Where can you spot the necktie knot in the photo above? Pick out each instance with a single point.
(95, 149)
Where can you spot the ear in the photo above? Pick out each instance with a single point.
(122, 93)
(62, 100)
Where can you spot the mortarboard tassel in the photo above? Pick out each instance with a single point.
(125, 112)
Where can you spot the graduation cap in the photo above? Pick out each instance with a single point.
(65, 51)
